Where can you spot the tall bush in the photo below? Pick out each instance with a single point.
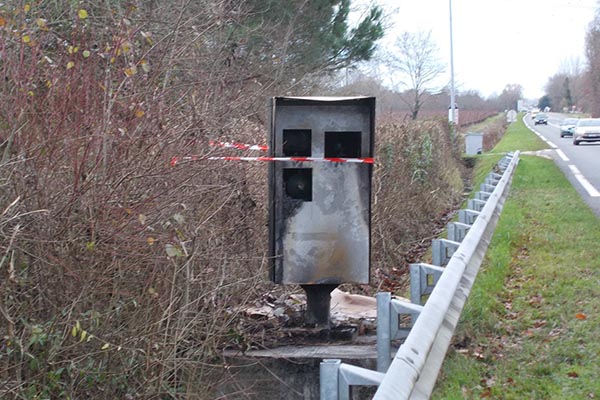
(117, 269)
(417, 184)
(119, 273)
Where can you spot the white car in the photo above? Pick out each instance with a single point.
(587, 130)
(567, 126)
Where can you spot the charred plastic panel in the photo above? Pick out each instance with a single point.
(319, 222)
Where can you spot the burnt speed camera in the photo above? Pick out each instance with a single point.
(320, 194)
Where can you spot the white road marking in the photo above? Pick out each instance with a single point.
(562, 155)
(584, 182)
(589, 188)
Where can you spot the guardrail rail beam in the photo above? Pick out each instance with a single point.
(428, 328)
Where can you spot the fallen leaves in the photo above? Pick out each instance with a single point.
(555, 332)
(536, 300)
(581, 316)
(145, 66)
(129, 72)
(539, 323)
(535, 328)
(487, 392)
(489, 382)
(477, 355)
(528, 332)
(484, 352)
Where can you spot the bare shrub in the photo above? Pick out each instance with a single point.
(119, 274)
(493, 132)
(118, 271)
(417, 182)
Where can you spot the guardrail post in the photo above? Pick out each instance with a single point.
(467, 216)
(328, 379)
(492, 179)
(457, 231)
(423, 278)
(505, 161)
(384, 346)
(337, 379)
(403, 317)
(351, 375)
(442, 250)
(484, 196)
(390, 314)
(475, 204)
(487, 188)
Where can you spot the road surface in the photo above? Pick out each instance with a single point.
(580, 164)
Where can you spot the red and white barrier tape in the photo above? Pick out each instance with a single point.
(239, 146)
(369, 160)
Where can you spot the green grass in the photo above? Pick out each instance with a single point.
(518, 137)
(530, 326)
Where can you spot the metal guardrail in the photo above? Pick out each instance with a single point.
(427, 328)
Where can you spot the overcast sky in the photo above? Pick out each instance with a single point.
(499, 42)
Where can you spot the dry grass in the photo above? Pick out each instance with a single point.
(120, 275)
(417, 183)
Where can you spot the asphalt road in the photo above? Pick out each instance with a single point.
(580, 164)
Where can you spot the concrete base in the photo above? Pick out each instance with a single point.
(292, 372)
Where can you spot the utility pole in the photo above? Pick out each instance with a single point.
(452, 113)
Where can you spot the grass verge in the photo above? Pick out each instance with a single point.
(529, 328)
(517, 137)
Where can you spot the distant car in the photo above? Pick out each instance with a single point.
(587, 130)
(540, 119)
(567, 126)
